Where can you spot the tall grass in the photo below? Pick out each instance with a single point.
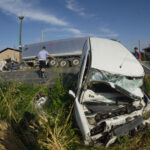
(58, 124)
(146, 85)
(17, 98)
(54, 129)
(60, 136)
(51, 130)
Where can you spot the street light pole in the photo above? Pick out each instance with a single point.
(41, 34)
(20, 33)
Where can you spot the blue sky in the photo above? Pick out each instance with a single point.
(125, 20)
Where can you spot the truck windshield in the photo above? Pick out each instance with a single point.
(128, 83)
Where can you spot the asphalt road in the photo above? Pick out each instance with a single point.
(147, 71)
(146, 67)
(68, 75)
(32, 76)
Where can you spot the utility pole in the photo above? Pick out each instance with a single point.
(41, 34)
(139, 46)
(20, 33)
(140, 54)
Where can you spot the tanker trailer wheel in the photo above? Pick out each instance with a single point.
(64, 63)
(75, 62)
(53, 63)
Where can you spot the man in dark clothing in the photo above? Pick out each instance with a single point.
(42, 55)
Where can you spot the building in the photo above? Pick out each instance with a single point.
(147, 50)
(10, 53)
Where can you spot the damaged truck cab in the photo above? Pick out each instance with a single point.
(109, 102)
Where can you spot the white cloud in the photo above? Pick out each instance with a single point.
(74, 31)
(108, 33)
(17, 7)
(74, 6)
(50, 29)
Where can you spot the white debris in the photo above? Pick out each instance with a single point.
(147, 121)
(2, 64)
(40, 102)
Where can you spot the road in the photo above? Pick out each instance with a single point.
(146, 67)
(32, 76)
(147, 71)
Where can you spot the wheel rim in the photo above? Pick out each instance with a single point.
(63, 63)
(75, 62)
(52, 62)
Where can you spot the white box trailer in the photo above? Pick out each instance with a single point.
(66, 51)
(109, 101)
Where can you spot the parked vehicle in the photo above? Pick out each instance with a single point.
(67, 52)
(11, 65)
(109, 101)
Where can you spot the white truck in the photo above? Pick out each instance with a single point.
(67, 52)
(109, 101)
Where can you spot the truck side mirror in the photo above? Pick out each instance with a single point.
(71, 93)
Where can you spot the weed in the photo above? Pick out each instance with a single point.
(146, 85)
(54, 130)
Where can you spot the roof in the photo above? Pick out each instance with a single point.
(9, 49)
(56, 47)
(147, 48)
(113, 57)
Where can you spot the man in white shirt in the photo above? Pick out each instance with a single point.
(42, 55)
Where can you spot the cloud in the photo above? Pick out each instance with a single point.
(108, 33)
(74, 31)
(74, 6)
(18, 7)
(50, 29)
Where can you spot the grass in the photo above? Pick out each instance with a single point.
(55, 128)
(51, 130)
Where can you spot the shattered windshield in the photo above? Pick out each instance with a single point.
(128, 83)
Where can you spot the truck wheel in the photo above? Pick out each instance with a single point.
(75, 62)
(52, 63)
(64, 63)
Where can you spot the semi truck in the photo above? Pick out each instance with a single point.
(67, 52)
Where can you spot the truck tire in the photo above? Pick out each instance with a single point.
(64, 63)
(52, 63)
(75, 62)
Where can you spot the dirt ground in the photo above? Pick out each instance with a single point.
(8, 139)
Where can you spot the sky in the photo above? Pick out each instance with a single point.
(124, 20)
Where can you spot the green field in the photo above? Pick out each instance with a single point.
(24, 127)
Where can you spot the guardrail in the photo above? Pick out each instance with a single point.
(145, 64)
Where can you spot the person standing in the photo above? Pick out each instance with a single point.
(42, 55)
(136, 53)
